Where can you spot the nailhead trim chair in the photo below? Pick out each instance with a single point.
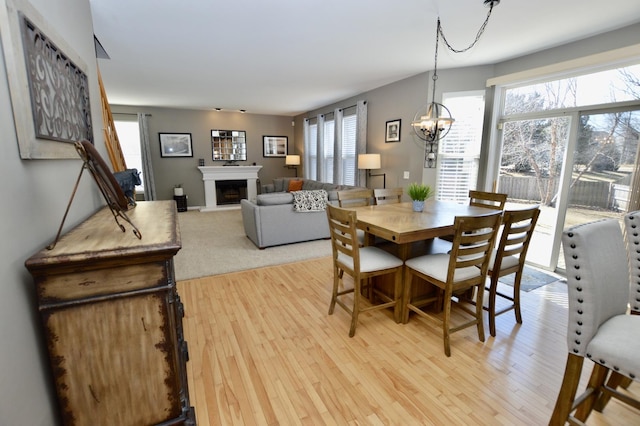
(599, 328)
(632, 238)
(362, 263)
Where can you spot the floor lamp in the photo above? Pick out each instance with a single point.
(292, 162)
(371, 161)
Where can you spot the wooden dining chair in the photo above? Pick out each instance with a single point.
(599, 327)
(489, 200)
(509, 258)
(355, 198)
(361, 263)
(387, 195)
(464, 268)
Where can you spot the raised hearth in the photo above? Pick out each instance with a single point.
(213, 174)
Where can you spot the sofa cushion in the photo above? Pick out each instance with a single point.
(274, 198)
(310, 201)
(278, 185)
(295, 185)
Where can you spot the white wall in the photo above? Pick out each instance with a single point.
(34, 196)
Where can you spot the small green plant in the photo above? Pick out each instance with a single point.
(419, 191)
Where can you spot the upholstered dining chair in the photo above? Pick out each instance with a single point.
(509, 258)
(387, 195)
(361, 263)
(599, 327)
(464, 268)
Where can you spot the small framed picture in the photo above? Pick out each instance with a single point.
(275, 146)
(392, 131)
(175, 145)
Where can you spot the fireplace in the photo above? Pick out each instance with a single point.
(224, 187)
(230, 191)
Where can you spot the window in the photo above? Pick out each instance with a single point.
(349, 149)
(459, 152)
(129, 137)
(328, 150)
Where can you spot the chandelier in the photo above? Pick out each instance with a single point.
(433, 120)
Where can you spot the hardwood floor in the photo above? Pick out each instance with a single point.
(264, 351)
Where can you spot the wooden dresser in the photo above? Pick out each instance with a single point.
(113, 320)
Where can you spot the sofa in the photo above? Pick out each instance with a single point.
(271, 219)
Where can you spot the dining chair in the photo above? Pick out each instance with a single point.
(361, 263)
(489, 200)
(355, 197)
(509, 258)
(387, 195)
(464, 268)
(599, 327)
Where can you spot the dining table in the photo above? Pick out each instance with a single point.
(413, 233)
(399, 224)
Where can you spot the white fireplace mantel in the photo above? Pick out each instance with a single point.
(211, 174)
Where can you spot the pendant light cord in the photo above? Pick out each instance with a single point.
(480, 32)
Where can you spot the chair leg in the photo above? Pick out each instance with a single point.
(446, 320)
(337, 276)
(493, 289)
(479, 311)
(357, 288)
(397, 296)
(615, 380)
(568, 389)
(598, 376)
(516, 296)
(406, 295)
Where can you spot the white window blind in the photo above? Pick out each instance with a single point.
(328, 149)
(349, 123)
(459, 151)
(312, 150)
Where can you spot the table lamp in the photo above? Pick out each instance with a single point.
(371, 161)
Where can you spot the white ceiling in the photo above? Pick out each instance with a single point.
(285, 57)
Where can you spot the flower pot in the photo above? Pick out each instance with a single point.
(418, 206)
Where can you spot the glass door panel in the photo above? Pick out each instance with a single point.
(533, 153)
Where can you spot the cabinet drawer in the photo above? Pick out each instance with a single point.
(97, 282)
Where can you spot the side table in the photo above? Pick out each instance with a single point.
(181, 202)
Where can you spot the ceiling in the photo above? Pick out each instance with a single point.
(285, 57)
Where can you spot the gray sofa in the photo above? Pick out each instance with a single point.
(270, 220)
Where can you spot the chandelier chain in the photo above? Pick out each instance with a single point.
(480, 32)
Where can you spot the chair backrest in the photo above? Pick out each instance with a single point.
(387, 195)
(490, 200)
(473, 243)
(355, 197)
(517, 229)
(632, 239)
(597, 278)
(344, 242)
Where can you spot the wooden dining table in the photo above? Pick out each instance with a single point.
(399, 224)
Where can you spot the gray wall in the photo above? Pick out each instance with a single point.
(35, 194)
(171, 171)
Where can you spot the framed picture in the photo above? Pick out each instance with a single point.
(175, 145)
(392, 131)
(275, 146)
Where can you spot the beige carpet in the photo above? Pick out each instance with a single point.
(215, 243)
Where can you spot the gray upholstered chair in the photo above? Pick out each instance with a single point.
(362, 264)
(599, 327)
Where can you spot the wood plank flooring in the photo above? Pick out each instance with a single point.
(263, 351)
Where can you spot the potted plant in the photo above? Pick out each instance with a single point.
(419, 192)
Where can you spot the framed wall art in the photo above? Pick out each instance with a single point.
(175, 145)
(48, 85)
(275, 146)
(392, 131)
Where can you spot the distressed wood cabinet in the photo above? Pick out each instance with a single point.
(113, 320)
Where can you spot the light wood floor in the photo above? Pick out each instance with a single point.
(264, 351)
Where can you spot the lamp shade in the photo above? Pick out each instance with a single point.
(368, 161)
(292, 160)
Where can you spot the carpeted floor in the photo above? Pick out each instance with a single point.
(531, 279)
(215, 243)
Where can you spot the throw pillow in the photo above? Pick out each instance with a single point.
(310, 201)
(295, 185)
